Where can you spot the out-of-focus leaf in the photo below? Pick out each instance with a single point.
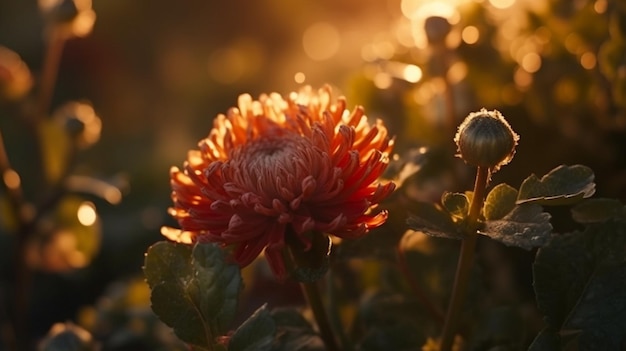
(563, 185)
(546, 340)
(127, 303)
(392, 337)
(194, 290)
(500, 201)
(72, 241)
(293, 332)
(55, 149)
(391, 321)
(255, 334)
(456, 204)
(403, 167)
(526, 226)
(579, 281)
(431, 220)
(598, 210)
(67, 337)
(7, 215)
(429, 265)
(502, 328)
(80, 217)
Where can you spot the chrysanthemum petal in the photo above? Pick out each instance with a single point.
(274, 167)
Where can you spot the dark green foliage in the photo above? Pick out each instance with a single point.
(526, 226)
(193, 290)
(391, 321)
(579, 280)
(293, 332)
(431, 220)
(563, 185)
(255, 334)
(598, 210)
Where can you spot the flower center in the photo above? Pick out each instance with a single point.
(270, 153)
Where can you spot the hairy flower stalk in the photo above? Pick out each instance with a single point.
(274, 167)
(485, 140)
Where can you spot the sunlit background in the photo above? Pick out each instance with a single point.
(149, 78)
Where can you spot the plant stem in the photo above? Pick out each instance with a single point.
(12, 185)
(466, 258)
(312, 295)
(50, 69)
(333, 312)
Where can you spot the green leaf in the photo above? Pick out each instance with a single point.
(500, 328)
(255, 334)
(55, 148)
(563, 185)
(74, 216)
(391, 321)
(546, 340)
(500, 201)
(598, 210)
(456, 204)
(293, 332)
(433, 221)
(579, 281)
(526, 226)
(193, 290)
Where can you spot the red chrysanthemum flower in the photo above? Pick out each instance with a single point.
(273, 168)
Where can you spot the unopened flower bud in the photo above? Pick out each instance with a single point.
(80, 121)
(485, 139)
(437, 29)
(72, 18)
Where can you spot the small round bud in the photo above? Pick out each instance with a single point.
(71, 18)
(80, 121)
(437, 29)
(15, 77)
(485, 139)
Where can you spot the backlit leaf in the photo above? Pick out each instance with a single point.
(194, 290)
(526, 226)
(55, 148)
(431, 220)
(500, 201)
(563, 185)
(456, 204)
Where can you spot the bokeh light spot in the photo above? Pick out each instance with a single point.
(321, 41)
(600, 6)
(299, 77)
(87, 215)
(382, 80)
(588, 60)
(11, 179)
(457, 72)
(501, 4)
(522, 78)
(412, 73)
(470, 35)
(531, 62)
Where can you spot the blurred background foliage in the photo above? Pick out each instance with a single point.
(135, 93)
